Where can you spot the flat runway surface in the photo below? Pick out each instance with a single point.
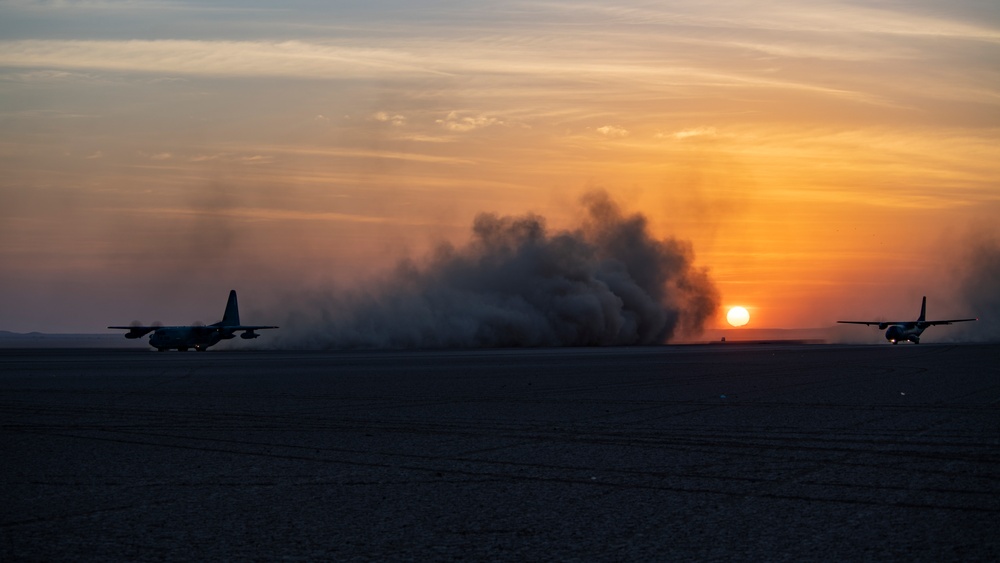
(726, 451)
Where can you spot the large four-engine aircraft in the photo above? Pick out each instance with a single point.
(902, 331)
(198, 337)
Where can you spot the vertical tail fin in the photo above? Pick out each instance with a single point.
(232, 315)
(923, 308)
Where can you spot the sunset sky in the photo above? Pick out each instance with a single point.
(825, 160)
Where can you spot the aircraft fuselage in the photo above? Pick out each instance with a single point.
(184, 337)
(904, 333)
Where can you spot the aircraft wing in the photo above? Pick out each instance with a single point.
(948, 322)
(139, 329)
(136, 331)
(875, 322)
(229, 331)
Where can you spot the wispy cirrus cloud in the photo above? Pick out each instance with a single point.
(829, 16)
(689, 133)
(612, 131)
(211, 58)
(460, 122)
(395, 119)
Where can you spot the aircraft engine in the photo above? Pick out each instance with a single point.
(883, 326)
(248, 334)
(138, 332)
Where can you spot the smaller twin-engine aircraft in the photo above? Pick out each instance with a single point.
(902, 331)
(198, 337)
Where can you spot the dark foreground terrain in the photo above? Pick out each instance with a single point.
(728, 452)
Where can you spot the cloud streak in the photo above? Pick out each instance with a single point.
(212, 58)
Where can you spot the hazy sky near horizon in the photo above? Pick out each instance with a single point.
(824, 159)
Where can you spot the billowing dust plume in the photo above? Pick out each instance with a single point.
(980, 289)
(515, 284)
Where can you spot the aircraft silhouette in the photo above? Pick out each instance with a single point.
(902, 331)
(197, 336)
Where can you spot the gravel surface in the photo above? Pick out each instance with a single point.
(762, 452)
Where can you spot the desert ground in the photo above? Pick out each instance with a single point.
(727, 451)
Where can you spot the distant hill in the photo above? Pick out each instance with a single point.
(766, 334)
(45, 340)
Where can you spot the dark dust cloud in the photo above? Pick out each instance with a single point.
(515, 284)
(980, 289)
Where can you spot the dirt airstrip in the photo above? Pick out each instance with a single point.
(775, 452)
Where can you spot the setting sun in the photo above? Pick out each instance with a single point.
(738, 316)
